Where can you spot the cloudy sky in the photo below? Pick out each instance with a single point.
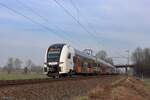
(28, 27)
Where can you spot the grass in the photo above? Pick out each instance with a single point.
(147, 81)
(17, 76)
(83, 98)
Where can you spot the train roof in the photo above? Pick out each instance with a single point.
(57, 45)
(83, 54)
(104, 62)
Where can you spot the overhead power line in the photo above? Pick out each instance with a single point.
(74, 18)
(43, 26)
(75, 7)
(33, 11)
(30, 19)
(42, 17)
(80, 24)
(33, 21)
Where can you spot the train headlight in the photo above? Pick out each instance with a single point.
(52, 63)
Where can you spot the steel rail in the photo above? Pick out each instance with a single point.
(4, 83)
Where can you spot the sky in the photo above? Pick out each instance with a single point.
(111, 25)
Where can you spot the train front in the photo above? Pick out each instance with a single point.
(52, 57)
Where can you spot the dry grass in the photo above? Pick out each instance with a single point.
(126, 89)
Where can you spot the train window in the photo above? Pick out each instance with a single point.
(89, 65)
(69, 55)
(82, 64)
(99, 65)
(85, 64)
(74, 59)
(95, 64)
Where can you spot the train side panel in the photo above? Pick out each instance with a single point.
(67, 59)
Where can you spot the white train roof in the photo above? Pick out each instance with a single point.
(83, 54)
(105, 63)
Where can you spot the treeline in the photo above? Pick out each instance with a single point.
(17, 65)
(141, 58)
(104, 56)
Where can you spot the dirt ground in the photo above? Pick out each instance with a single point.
(125, 89)
(108, 88)
(65, 90)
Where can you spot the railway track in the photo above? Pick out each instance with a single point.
(4, 83)
(54, 89)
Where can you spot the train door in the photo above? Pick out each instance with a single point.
(78, 64)
(104, 69)
(70, 63)
(91, 67)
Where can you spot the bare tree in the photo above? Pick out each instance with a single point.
(103, 55)
(141, 58)
(146, 58)
(18, 63)
(28, 65)
(137, 56)
(10, 65)
(25, 70)
(109, 60)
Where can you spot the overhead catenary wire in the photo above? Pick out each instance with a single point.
(79, 23)
(75, 7)
(33, 21)
(43, 18)
(78, 10)
(29, 8)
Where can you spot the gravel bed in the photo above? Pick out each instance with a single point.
(64, 90)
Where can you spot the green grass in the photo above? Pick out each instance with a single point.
(17, 76)
(83, 98)
(147, 81)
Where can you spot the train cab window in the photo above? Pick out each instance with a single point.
(69, 56)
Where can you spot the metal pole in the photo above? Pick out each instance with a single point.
(128, 61)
